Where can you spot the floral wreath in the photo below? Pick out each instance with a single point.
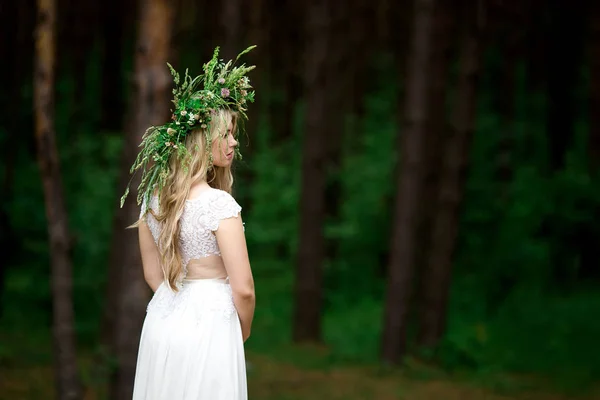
(224, 87)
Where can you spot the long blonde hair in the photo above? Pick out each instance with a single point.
(173, 196)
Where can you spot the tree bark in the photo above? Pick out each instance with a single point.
(81, 17)
(565, 38)
(258, 34)
(587, 236)
(128, 293)
(357, 62)
(383, 23)
(452, 181)
(231, 20)
(113, 38)
(311, 251)
(400, 18)
(510, 44)
(286, 42)
(209, 28)
(409, 184)
(340, 79)
(361, 17)
(537, 44)
(17, 21)
(594, 111)
(437, 132)
(63, 335)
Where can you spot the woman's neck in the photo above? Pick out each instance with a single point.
(198, 187)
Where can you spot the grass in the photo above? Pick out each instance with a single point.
(345, 368)
(293, 373)
(272, 379)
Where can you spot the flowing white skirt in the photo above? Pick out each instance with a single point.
(191, 345)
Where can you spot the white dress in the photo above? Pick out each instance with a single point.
(191, 345)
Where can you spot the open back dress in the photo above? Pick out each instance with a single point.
(191, 346)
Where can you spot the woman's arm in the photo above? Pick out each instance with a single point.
(232, 243)
(150, 257)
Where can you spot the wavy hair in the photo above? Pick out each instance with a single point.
(172, 198)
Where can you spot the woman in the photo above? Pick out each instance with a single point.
(192, 244)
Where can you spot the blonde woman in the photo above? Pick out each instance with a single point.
(193, 246)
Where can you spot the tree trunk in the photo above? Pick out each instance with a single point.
(113, 38)
(67, 378)
(510, 44)
(360, 52)
(594, 111)
(81, 26)
(383, 25)
(258, 34)
(128, 293)
(440, 73)
(452, 181)
(209, 28)
(18, 21)
(400, 18)
(409, 184)
(308, 290)
(537, 44)
(287, 44)
(588, 235)
(565, 38)
(340, 79)
(231, 20)
(361, 17)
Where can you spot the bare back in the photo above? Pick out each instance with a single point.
(200, 251)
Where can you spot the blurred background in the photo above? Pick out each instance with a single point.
(420, 187)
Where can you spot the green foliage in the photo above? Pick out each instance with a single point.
(519, 300)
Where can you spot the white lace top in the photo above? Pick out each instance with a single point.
(199, 221)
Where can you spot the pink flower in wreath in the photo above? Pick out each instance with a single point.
(224, 92)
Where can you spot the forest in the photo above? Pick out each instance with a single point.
(420, 186)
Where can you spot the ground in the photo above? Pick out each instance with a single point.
(273, 379)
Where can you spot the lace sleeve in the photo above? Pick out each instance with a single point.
(221, 206)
